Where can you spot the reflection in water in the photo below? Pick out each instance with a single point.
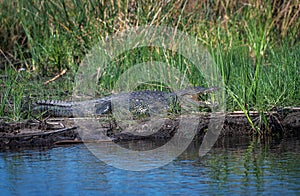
(232, 166)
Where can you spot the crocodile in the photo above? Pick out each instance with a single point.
(136, 102)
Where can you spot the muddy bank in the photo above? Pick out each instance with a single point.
(34, 133)
(51, 132)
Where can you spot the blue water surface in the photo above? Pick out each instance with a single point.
(74, 170)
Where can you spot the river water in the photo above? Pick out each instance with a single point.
(249, 167)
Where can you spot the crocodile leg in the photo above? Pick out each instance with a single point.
(72, 109)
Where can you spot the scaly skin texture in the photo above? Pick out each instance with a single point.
(138, 102)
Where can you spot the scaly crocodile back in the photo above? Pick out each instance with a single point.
(138, 102)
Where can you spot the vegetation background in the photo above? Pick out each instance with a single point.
(254, 43)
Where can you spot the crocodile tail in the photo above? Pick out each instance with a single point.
(52, 110)
(54, 103)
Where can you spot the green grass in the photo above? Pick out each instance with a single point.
(20, 88)
(254, 46)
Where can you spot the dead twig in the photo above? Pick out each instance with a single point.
(57, 76)
(48, 133)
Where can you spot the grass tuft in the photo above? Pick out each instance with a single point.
(253, 43)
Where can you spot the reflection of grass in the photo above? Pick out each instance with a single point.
(253, 45)
(249, 166)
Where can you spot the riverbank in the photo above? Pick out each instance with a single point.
(52, 132)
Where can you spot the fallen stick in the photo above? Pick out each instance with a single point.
(41, 133)
(57, 76)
